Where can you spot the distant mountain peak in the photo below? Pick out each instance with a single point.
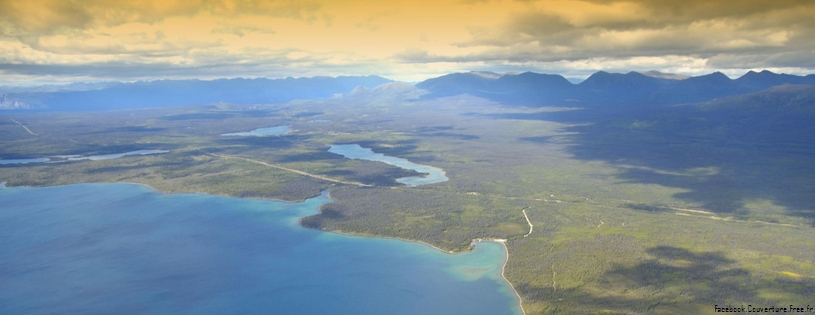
(486, 74)
(663, 75)
(715, 76)
(359, 89)
(390, 90)
(390, 87)
(396, 87)
(762, 74)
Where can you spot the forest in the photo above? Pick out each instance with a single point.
(636, 209)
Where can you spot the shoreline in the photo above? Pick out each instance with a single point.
(496, 240)
(503, 270)
(328, 195)
(475, 240)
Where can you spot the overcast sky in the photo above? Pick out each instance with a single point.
(52, 41)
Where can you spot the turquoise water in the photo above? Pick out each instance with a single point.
(24, 161)
(128, 249)
(262, 132)
(63, 158)
(354, 151)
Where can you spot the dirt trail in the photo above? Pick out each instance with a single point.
(292, 170)
(26, 128)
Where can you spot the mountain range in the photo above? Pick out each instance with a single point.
(526, 89)
(185, 92)
(603, 88)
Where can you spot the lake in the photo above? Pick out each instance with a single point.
(64, 158)
(356, 152)
(261, 132)
(128, 249)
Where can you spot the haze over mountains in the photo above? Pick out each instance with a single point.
(185, 92)
(528, 89)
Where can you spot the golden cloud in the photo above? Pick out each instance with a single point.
(406, 36)
(52, 15)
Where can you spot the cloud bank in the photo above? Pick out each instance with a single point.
(95, 40)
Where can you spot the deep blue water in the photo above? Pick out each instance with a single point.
(128, 249)
(355, 151)
(261, 132)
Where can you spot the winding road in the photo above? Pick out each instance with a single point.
(529, 222)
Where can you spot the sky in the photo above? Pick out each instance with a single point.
(64, 41)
